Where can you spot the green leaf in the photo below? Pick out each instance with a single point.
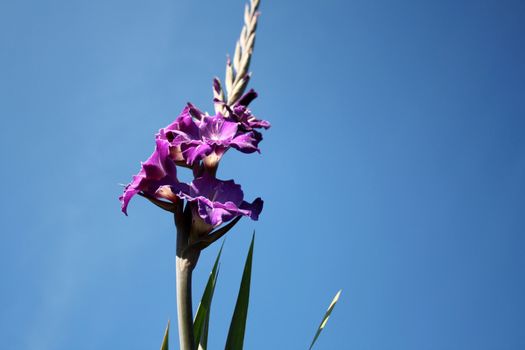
(238, 324)
(164, 345)
(325, 318)
(202, 317)
(203, 343)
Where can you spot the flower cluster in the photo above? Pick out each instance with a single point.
(198, 141)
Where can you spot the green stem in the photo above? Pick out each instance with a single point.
(185, 263)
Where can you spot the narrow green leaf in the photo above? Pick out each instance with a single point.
(325, 318)
(164, 345)
(203, 342)
(202, 316)
(238, 324)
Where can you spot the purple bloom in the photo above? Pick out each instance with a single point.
(157, 171)
(217, 201)
(193, 139)
(219, 134)
(240, 113)
(181, 132)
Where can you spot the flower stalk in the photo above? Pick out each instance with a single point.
(184, 304)
(206, 208)
(185, 261)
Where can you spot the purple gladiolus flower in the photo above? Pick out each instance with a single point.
(205, 137)
(181, 132)
(220, 134)
(217, 201)
(157, 171)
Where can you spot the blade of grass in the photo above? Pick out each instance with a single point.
(235, 338)
(202, 317)
(325, 318)
(164, 345)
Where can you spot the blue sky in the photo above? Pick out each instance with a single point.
(394, 169)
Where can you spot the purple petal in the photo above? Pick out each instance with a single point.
(217, 190)
(195, 112)
(217, 201)
(129, 192)
(183, 129)
(175, 125)
(246, 142)
(195, 152)
(217, 130)
(159, 169)
(211, 215)
(254, 208)
(258, 123)
(248, 121)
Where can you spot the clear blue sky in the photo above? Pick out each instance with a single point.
(395, 169)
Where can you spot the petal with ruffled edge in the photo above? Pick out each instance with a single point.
(158, 170)
(254, 208)
(246, 143)
(195, 151)
(218, 201)
(194, 136)
(182, 130)
(244, 116)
